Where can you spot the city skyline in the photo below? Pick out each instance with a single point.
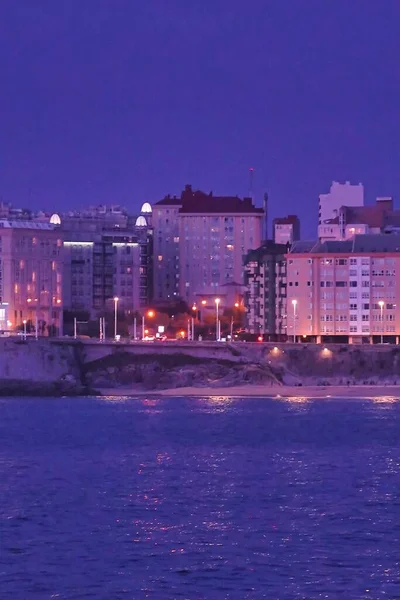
(111, 103)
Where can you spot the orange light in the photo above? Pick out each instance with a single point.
(150, 313)
(182, 333)
(260, 339)
(204, 302)
(194, 307)
(237, 304)
(146, 331)
(29, 300)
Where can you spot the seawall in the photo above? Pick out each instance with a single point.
(62, 367)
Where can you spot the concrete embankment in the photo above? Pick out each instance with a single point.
(58, 367)
(40, 368)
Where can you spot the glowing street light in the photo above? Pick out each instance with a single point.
(381, 305)
(150, 313)
(294, 304)
(116, 300)
(24, 322)
(217, 334)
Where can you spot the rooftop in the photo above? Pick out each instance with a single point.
(7, 224)
(359, 244)
(200, 202)
(289, 220)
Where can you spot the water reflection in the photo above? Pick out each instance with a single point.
(218, 497)
(385, 401)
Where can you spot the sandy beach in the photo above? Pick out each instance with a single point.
(262, 391)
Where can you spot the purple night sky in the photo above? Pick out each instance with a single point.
(124, 101)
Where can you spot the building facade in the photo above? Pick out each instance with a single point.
(345, 291)
(286, 230)
(31, 270)
(108, 254)
(265, 283)
(350, 221)
(340, 194)
(199, 243)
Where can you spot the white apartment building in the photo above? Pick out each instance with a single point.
(340, 194)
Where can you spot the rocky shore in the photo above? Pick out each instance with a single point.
(62, 367)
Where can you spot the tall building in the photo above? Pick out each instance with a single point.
(166, 268)
(31, 268)
(345, 291)
(340, 194)
(286, 229)
(108, 254)
(265, 296)
(199, 243)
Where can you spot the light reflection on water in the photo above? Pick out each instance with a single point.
(210, 497)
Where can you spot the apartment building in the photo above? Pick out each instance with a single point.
(286, 230)
(349, 221)
(340, 194)
(31, 268)
(344, 291)
(108, 253)
(199, 243)
(265, 296)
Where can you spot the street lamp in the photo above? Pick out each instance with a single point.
(24, 322)
(150, 314)
(294, 304)
(381, 305)
(116, 299)
(217, 301)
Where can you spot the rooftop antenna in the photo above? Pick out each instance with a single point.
(251, 176)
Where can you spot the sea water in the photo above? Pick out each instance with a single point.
(199, 498)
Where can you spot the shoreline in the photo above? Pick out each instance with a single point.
(260, 391)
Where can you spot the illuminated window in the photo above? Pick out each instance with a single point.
(21, 264)
(160, 257)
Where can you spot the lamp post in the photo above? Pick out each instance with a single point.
(115, 316)
(294, 304)
(24, 322)
(150, 314)
(381, 305)
(217, 301)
